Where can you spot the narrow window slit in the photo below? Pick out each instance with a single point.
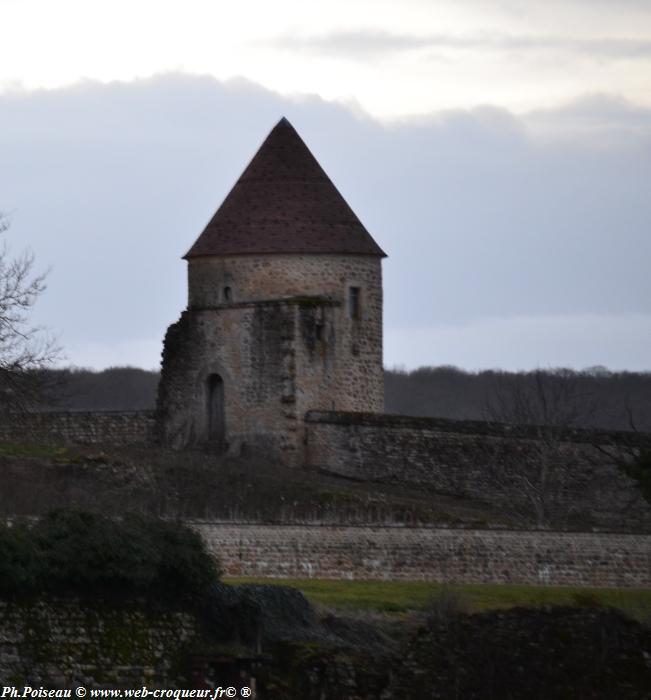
(354, 302)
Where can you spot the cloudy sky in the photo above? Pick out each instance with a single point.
(499, 151)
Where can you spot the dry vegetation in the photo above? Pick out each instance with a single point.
(203, 486)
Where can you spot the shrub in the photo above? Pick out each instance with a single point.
(185, 570)
(446, 606)
(75, 551)
(639, 468)
(84, 552)
(19, 561)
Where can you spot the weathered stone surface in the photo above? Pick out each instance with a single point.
(61, 643)
(278, 331)
(83, 427)
(576, 479)
(431, 554)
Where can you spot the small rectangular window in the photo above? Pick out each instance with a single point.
(354, 302)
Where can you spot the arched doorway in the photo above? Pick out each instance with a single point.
(216, 418)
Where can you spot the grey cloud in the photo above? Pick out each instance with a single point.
(110, 184)
(364, 44)
(599, 107)
(609, 118)
(358, 44)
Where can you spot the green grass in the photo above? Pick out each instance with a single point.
(31, 451)
(402, 596)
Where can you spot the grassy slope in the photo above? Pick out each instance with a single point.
(403, 596)
(199, 485)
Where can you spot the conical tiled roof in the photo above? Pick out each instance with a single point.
(284, 203)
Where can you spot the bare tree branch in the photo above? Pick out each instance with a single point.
(550, 404)
(26, 351)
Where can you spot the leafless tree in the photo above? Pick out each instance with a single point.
(26, 350)
(549, 404)
(550, 400)
(633, 454)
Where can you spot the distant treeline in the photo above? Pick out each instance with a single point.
(596, 397)
(112, 389)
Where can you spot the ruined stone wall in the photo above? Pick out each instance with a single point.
(61, 643)
(250, 346)
(84, 427)
(462, 556)
(575, 476)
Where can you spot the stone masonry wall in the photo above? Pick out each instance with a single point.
(84, 427)
(250, 346)
(430, 554)
(356, 377)
(61, 643)
(278, 332)
(575, 476)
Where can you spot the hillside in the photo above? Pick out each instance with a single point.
(198, 485)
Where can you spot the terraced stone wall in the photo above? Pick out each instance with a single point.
(431, 554)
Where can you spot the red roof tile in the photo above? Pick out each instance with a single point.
(284, 203)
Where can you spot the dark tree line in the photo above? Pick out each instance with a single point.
(112, 389)
(617, 400)
(594, 397)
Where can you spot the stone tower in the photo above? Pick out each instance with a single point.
(284, 312)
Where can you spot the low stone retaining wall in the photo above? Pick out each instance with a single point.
(83, 427)
(572, 477)
(461, 556)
